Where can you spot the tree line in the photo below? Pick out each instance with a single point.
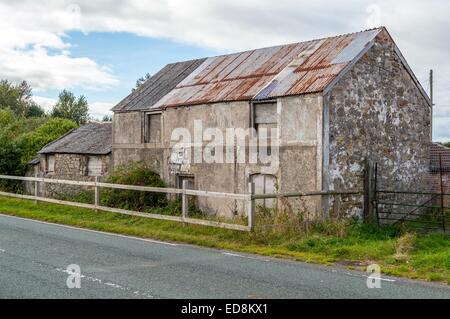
(18, 99)
(25, 127)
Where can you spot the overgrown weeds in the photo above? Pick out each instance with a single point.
(284, 221)
(404, 245)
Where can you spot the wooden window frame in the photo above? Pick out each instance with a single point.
(47, 166)
(146, 131)
(88, 160)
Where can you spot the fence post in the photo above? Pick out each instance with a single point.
(251, 206)
(184, 200)
(442, 193)
(375, 194)
(368, 190)
(96, 193)
(36, 188)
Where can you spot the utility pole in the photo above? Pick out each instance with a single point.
(431, 87)
(432, 100)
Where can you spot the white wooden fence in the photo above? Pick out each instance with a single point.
(248, 198)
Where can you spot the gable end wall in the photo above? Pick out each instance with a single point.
(377, 111)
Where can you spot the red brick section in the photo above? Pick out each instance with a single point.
(435, 181)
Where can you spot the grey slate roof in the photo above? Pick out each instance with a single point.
(90, 139)
(157, 86)
(34, 161)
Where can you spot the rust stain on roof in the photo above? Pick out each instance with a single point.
(267, 73)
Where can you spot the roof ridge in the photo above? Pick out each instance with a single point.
(293, 43)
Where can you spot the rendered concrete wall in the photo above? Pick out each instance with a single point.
(221, 177)
(127, 128)
(300, 127)
(300, 154)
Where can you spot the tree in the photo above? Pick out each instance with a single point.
(69, 107)
(11, 164)
(35, 111)
(107, 118)
(142, 80)
(31, 142)
(446, 144)
(16, 97)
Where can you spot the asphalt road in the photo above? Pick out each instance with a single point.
(34, 257)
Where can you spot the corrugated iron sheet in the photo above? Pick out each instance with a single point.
(292, 69)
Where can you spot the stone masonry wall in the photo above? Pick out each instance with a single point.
(70, 167)
(377, 111)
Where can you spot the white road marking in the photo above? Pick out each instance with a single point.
(386, 279)
(366, 276)
(109, 284)
(243, 256)
(2, 251)
(93, 231)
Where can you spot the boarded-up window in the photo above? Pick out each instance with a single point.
(50, 163)
(153, 128)
(264, 184)
(265, 116)
(188, 178)
(94, 166)
(190, 183)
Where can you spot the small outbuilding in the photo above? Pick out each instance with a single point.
(81, 154)
(440, 169)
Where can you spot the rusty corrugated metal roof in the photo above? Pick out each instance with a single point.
(292, 69)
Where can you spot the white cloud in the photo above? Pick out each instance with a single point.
(44, 71)
(99, 109)
(28, 32)
(29, 29)
(441, 129)
(45, 102)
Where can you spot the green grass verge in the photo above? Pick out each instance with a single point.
(425, 256)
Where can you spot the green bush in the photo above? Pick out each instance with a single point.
(133, 174)
(51, 130)
(10, 164)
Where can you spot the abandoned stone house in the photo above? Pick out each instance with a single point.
(335, 102)
(440, 172)
(81, 154)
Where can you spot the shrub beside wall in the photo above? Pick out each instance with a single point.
(136, 173)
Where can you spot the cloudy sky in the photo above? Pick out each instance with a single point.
(99, 48)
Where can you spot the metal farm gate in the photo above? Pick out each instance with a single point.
(427, 208)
